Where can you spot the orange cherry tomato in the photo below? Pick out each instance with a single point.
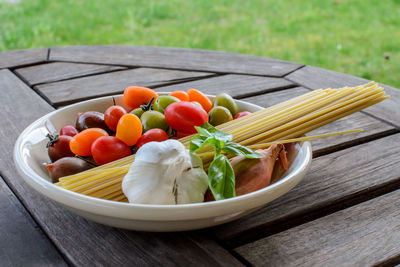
(129, 129)
(196, 95)
(134, 96)
(81, 143)
(181, 95)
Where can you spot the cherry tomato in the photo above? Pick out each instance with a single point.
(82, 142)
(183, 116)
(181, 95)
(68, 130)
(241, 114)
(196, 95)
(181, 135)
(112, 116)
(155, 134)
(90, 119)
(129, 129)
(219, 115)
(58, 147)
(66, 166)
(134, 96)
(109, 148)
(163, 101)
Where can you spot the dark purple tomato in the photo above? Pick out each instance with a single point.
(67, 166)
(90, 119)
(58, 147)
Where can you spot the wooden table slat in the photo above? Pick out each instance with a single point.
(82, 242)
(315, 78)
(56, 71)
(174, 58)
(332, 179)
(362, 235)
(66, 92)
(22, 242)
(15, 58)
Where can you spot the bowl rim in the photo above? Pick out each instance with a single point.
(115, 208)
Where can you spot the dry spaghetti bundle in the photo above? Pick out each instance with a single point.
(284, 122)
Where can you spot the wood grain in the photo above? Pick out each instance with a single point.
(66, 92)
(358, 236)
(316, 78)
(82, 242)
(174, 58)
(372, 128)
(22, 243)
(57, 71)
(14, 58)
(345, 175)
(238, 86)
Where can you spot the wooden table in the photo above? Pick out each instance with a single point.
(345, 211)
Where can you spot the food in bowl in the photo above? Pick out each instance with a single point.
(92, 143)
(286, 121)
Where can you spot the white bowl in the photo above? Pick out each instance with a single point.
(30, 156)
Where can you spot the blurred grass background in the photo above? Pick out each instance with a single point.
(359, 37)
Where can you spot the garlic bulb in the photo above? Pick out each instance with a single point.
(165, 173)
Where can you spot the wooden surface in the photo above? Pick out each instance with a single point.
(11, 59)
(22, 241)
(59, 71)
(174, 58)
(361, 235)
(344, 212)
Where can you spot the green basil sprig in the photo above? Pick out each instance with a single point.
(221, 177)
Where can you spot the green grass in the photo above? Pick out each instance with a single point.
(347, 36)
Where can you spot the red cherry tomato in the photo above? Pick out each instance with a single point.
(109, 148)
(112, 116)
(241, 114)
(181, 135)
(68, 130)
(183, 116)
(154, 134)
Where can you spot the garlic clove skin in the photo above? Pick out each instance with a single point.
(192, 183)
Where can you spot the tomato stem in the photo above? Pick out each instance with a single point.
(88, 161)
(52, 140)
(147, 106)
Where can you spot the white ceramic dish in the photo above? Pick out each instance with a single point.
(30, 155)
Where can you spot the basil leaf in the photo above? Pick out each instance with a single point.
(224, 137)
(232, 148)
(203, 131)
(221, 178)
(197, 142)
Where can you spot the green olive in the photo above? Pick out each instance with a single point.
(219, 115)
(153, 119)
(163, 101)
(227, 101)
(138, 112)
